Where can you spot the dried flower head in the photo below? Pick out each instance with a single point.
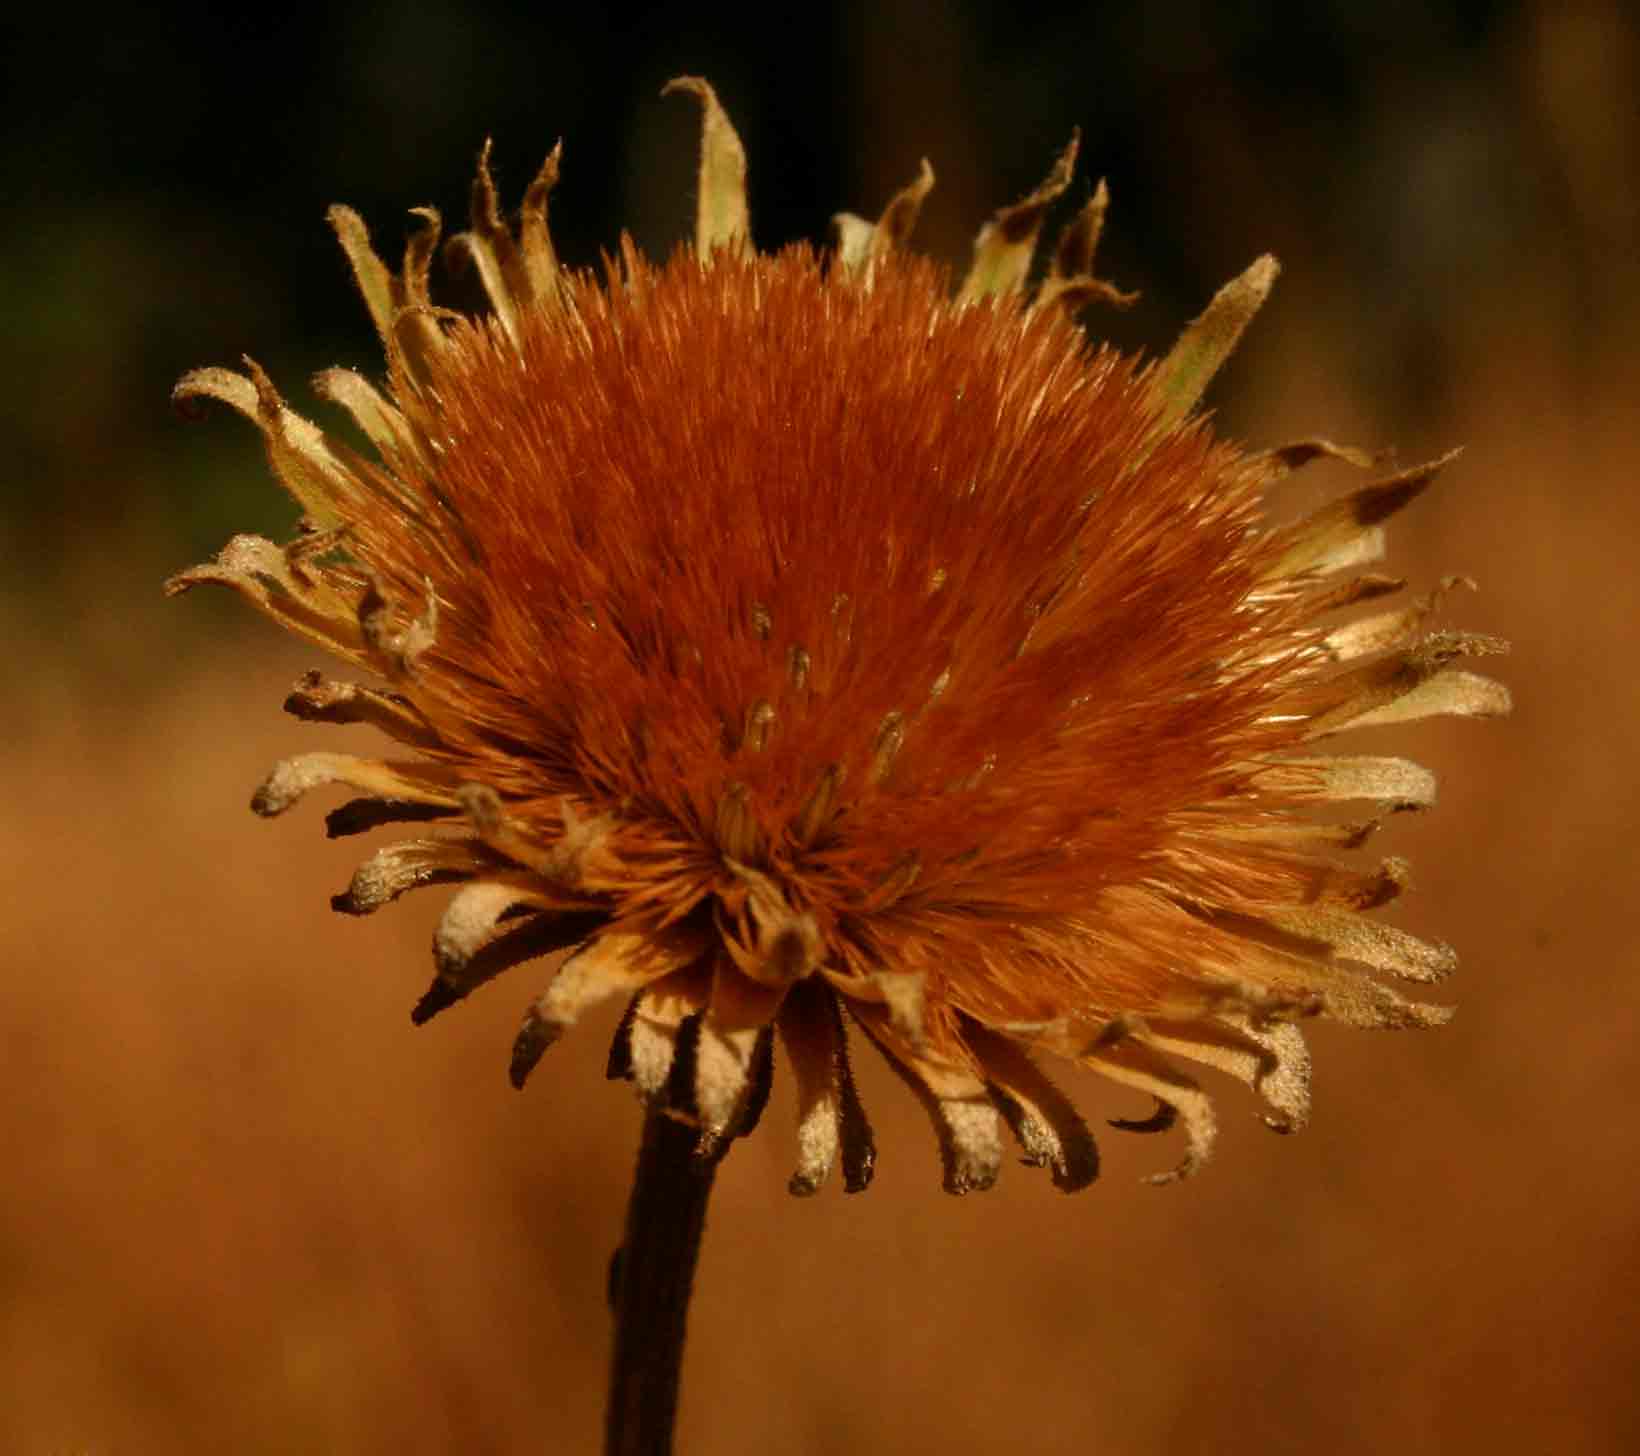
(782, 642)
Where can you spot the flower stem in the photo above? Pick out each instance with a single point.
(651, 1279)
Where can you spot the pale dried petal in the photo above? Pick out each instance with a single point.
(381, 291)
(400, 305)
(1134, 1065)
(382, 422)
(540, 258)
(1358, 938)
(613, 963)
(1386, 631)
(410, 781)
(1451, 694)
(490, 244)
(965, 1118)
(811, 1049)
(471, 919)
(302, 458)
(1183, 376)
(1364, 1003)
(855, 235)
(659, 1018)
(1348, 532)
(1047, 1127)
(492, 925)
(408, 865)
(312, 605)
(1401, 686)
(412, 287)
(737, 1022)
(1297, 972)
(722, 219)
(318, 699)
(1070, 285)
(1271, 1059)
(860, 243)
(1283, 460)
(1285, 1086)
(1078, 244)
(1002, 252)
(1397, 783)
(830, 1119)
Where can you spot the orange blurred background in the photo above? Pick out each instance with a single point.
(247, 1208)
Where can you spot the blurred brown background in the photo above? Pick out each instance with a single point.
(247, 1208)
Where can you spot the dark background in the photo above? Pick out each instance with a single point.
(246, 1208)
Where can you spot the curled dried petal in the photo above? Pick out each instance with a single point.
(958, 1103)
(722, 220)
(1046, 1126)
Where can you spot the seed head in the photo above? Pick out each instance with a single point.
(786, 643)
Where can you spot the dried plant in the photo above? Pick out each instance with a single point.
(788, 643)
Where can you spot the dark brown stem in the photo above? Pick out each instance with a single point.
(650, 1282)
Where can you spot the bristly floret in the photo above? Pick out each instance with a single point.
(775, 636)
